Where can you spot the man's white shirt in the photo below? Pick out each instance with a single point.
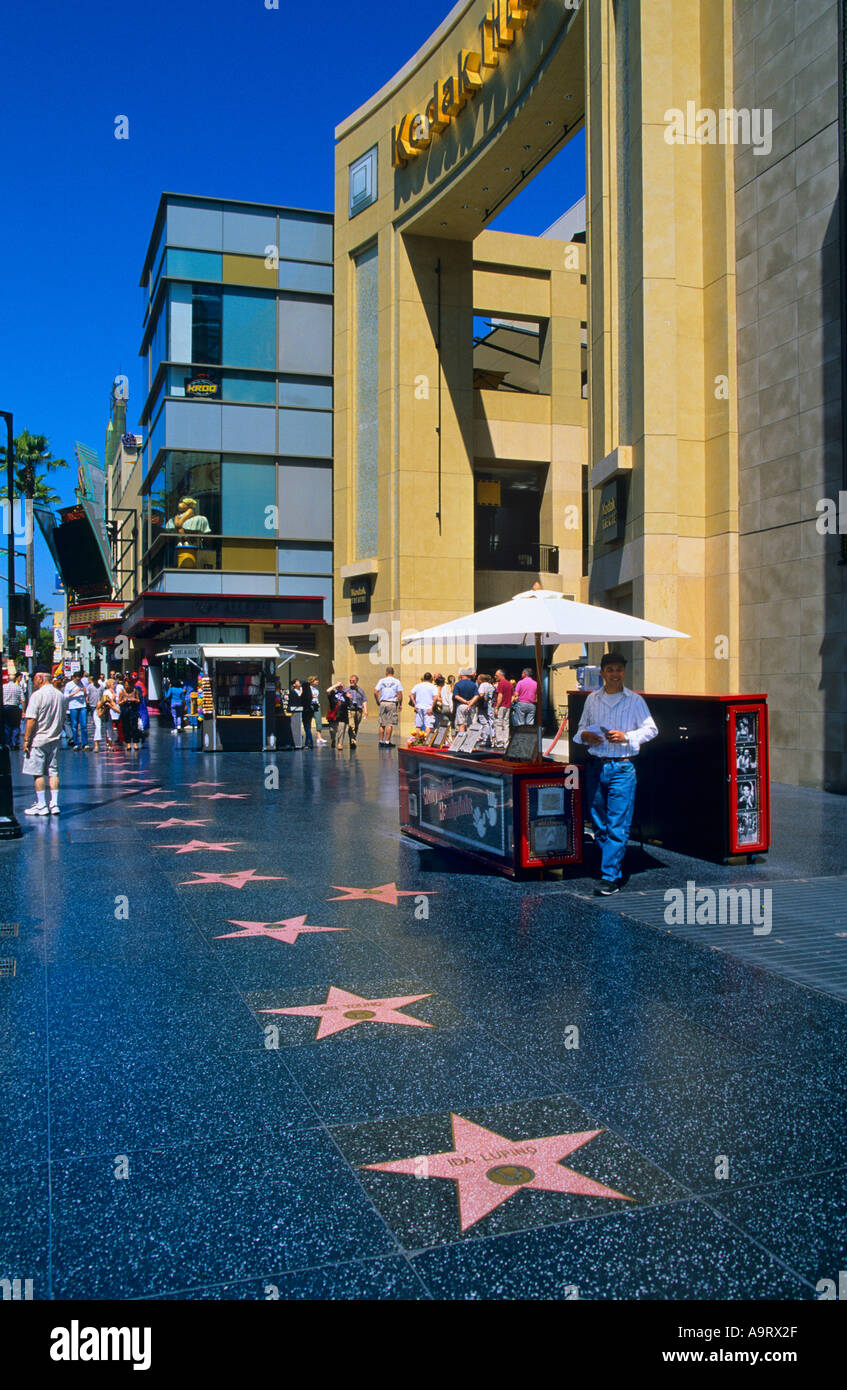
(627, 712)
(424, 696)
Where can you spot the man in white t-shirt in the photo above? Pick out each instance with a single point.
(45, 715)
(388, 693)
(423, 697)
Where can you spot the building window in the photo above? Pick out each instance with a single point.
(366, 359)
(206, 324)
(248, 496)
(507, 515)
(362, 185)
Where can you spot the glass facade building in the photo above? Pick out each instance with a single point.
(237, 343)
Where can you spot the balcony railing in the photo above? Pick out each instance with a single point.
(542, 559)
(195, 550)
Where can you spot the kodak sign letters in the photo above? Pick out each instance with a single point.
(498, 31)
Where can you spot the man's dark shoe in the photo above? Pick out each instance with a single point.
(607, 887)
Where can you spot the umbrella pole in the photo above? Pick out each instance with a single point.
(538, 754)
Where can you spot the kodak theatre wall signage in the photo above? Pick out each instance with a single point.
(498, 31)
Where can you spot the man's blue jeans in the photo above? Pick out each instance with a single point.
(610, 796)
(77, 717)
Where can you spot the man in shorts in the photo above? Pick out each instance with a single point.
(45, 715)
(388, 695)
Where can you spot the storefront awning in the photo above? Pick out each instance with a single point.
(224, 651)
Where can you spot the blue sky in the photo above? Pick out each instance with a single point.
(225, 100)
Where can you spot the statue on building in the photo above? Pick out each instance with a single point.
(187, 519)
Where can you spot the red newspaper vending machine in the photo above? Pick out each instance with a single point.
(703, 785)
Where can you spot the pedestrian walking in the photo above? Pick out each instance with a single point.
(45, 717)
(128, 702)
(485, 707)
(176, 699)
(465, 697)
(615, 724)
(93, 719)
(316, 709)
(13, 704)
(422, 699)
(388, 693)
(504, 691)
(337, 714)
(525, 697)
(300, 697)
(75, 698)
(358, 708)
(111, 710)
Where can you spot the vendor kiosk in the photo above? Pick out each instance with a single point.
(703, 784)
(516, 815)
(242, 698)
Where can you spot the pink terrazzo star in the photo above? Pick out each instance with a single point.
(174, 820)
(156, 805)
(205, 784)
(344, 1010)
(385, 893)
(233, 880)
(288, 929)
(488, 1169)
(222, 796)
(193, 846)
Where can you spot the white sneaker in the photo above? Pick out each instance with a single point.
(37, 811)
(54, 809)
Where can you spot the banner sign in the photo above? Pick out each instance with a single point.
(462, 808)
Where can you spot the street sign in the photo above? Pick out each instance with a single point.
(58, 637)
(186, 652)
(58, 586)
(28, 649)
(57, 655)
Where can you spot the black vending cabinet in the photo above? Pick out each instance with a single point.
(703, 784)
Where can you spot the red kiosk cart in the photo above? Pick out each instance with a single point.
(518, 817)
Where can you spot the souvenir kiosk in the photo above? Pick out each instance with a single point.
(516, 814)
(242, 697)
(703, 784)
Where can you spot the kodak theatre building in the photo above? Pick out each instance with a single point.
(650, 417)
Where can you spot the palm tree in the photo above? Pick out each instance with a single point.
(33, 461)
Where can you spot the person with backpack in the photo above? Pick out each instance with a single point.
(176, 699)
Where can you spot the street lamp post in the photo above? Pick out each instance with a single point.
(9, 826)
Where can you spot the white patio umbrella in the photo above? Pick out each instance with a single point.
(544, 618)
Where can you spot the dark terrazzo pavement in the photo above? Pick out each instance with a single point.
(159, 1140)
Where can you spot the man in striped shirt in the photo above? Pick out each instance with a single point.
(614, 725)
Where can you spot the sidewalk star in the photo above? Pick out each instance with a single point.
(156, 805)
(288, 929)
(192, 846)
(489, 1169)
(233, 880)
(384, 893)
(206, 784)
(223, 796)
(344, 1010)
(174, 820)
